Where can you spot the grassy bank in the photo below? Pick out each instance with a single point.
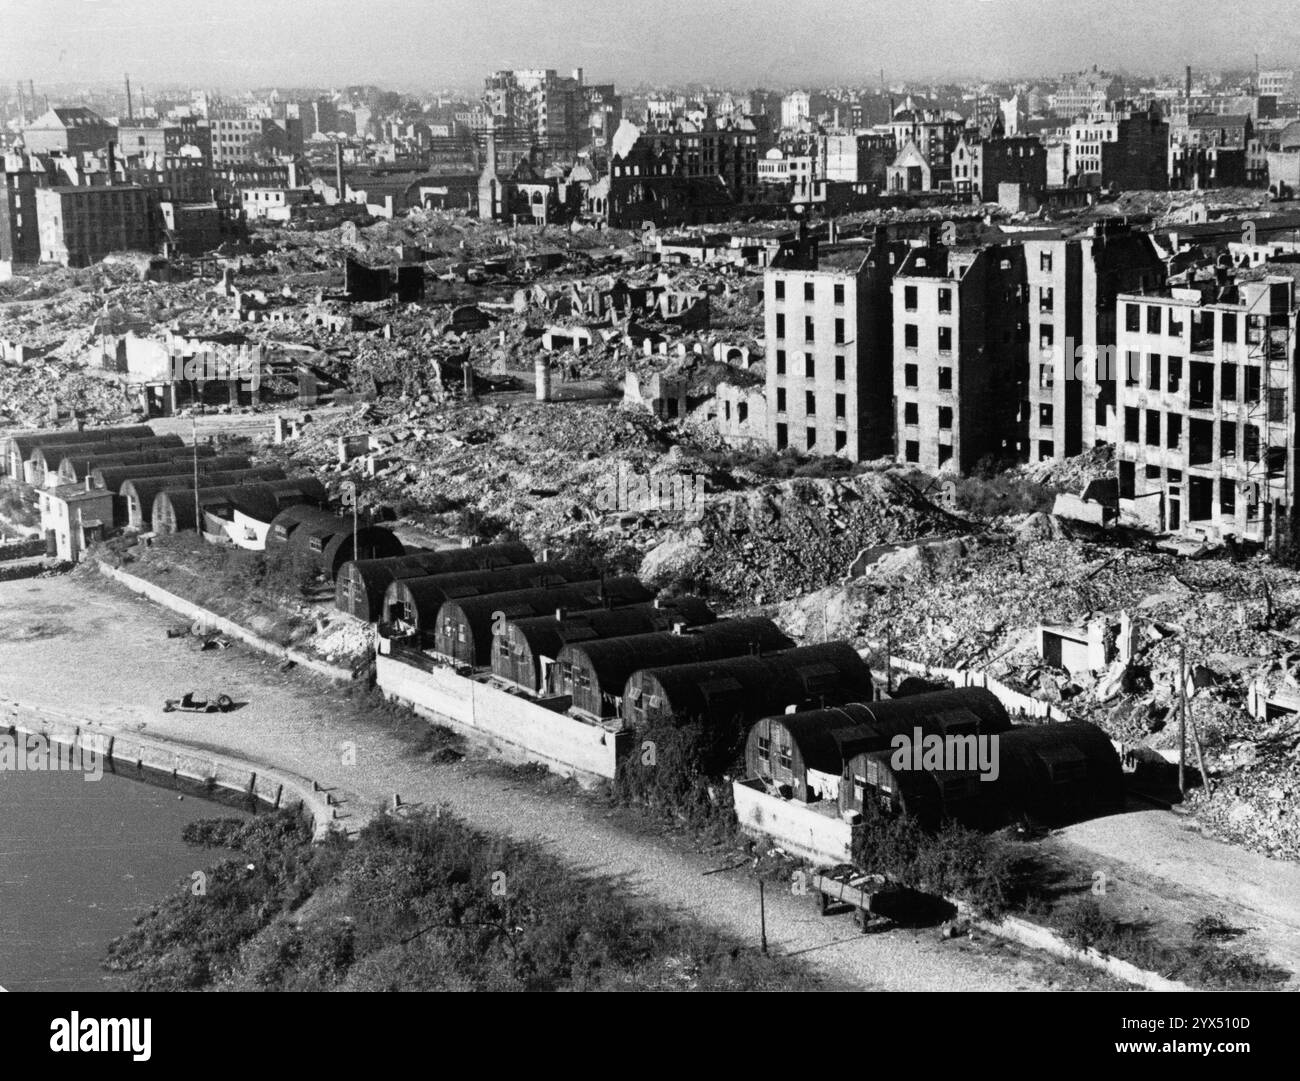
(425, 903)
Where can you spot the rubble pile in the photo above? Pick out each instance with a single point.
(788, 537)
(1073, 474)
(978, 601)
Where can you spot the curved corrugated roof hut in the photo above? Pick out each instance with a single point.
(113, 476)
(734, 692)
(1057, 773)
(76, 467)
(325, 538)
(173, 508)
(931, 796)
(139, 493)
(595, 673)
(362, 583)
(798, 751)
(18, 447)
(464, 627)
(45, 459)
(526, 647)
(413, 603)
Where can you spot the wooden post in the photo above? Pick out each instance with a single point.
(1182, 717)
(1200, 758)
(889, 658)
(762, 919)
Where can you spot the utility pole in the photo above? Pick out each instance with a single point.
(889, 658)
(762, 919)
(1182, 718)
(194, 438)
(349, 490)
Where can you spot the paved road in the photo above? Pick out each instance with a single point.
(85, 650)
(1155, 858)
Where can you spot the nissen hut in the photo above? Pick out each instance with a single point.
(736, 691)
(411, 604)
(324, 539)
(780, 749)
(363, 582)
(526, 649)
(1057, 773)
(465, 627)
(595, 673)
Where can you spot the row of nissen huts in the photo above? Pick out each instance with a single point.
(809, 718)
(850, 755)
(621, 655)
(94, 482)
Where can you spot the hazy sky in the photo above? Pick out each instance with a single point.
(234, 43)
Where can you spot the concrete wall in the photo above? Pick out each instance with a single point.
(132, 755)
(793, 826)
(212, 621)
(519, 729)
(1014, 701)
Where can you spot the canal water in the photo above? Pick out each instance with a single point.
(79, 861)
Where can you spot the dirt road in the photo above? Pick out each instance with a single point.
(83, 649)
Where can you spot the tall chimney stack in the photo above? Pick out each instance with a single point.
(338, 169)
(130, 110)
(1189, 83)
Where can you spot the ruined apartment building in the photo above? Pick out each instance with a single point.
(960, 357)
(1206, 444)
(829, 381)
(1070, 311)
(81, 225)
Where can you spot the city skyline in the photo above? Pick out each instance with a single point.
(451, 43)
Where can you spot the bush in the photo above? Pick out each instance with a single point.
(1201, 963)
(676, 771)
(422, 903)
(953, 861)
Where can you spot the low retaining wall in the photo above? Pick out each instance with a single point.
(128, 753)
(212, 621)
(793, 826)
(1043, 938)
(514, 727)
(803, 832)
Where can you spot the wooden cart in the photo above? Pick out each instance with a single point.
(845, 886)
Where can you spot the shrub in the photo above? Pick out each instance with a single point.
(422, 903)
(953, 861)
(675, 771)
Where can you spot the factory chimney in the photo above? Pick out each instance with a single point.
(1188, 91)
(130, 109)
(338, 169)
